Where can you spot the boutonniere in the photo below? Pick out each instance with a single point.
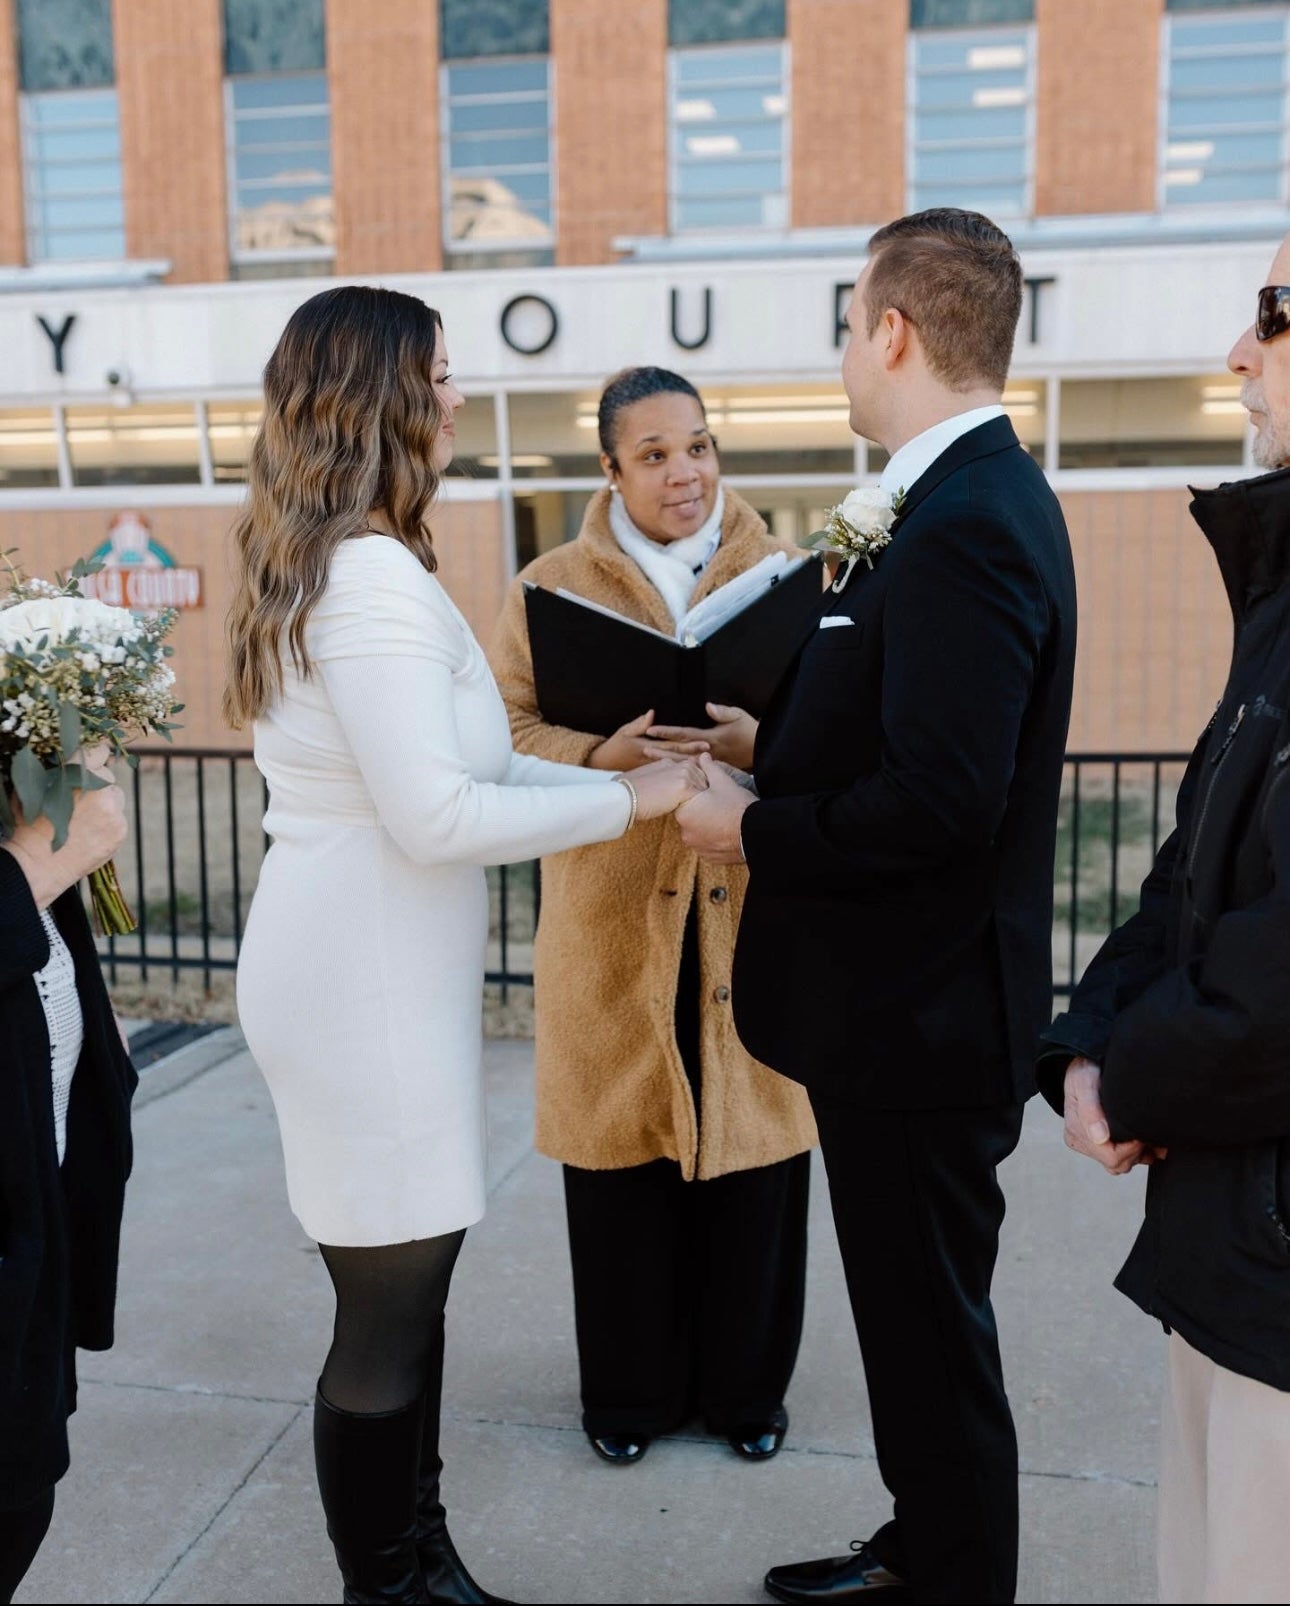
(857, 528)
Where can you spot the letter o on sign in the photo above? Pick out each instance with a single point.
(529, 325)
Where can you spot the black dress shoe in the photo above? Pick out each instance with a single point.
(620, 1448)
(757, 1442)
(838, 1578)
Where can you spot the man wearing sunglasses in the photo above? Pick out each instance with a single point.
(1175, 1052)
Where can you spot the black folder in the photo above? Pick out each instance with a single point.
(594, 671)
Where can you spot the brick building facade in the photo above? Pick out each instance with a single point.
(685, 182)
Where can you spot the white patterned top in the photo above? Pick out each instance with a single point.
(56, 984)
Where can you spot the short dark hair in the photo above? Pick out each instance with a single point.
(633, 385)
(957, 278)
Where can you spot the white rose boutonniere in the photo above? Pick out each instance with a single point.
(857, 528)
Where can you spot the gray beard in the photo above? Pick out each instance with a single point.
(1270, 451)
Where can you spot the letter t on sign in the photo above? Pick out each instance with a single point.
(58, 337)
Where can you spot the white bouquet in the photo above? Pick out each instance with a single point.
(75, 674)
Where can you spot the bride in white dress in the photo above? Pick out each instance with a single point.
(392, 784)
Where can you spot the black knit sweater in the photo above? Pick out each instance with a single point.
(59, 1228)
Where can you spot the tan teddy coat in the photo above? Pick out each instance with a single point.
(611, 1089)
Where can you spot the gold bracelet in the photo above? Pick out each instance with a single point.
(631, 793)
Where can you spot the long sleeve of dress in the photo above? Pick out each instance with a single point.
(388, 647)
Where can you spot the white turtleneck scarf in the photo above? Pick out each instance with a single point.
(672, 568)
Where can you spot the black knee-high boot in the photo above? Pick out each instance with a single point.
(442, 1569)
(367, 1477)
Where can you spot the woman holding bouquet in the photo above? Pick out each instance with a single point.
(686, 1163)
(65, 1088)
(393, 783)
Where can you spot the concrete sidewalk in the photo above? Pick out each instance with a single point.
(192, 1477)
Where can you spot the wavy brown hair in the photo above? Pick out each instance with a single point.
(350, 424)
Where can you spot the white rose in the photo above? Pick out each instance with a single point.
(869, 510)
(57, 617)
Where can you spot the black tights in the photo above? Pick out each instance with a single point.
(21, 1533)
(388, 1336)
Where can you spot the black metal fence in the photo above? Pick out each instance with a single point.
(197, 841)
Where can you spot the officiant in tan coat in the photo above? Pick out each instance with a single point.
(686, 1163)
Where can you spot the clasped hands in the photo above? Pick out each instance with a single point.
(687, 771)
(1087, 1129)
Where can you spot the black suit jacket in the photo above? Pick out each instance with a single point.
(896, 941)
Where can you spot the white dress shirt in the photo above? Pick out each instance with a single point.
(915, 457)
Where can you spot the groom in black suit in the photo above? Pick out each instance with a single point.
(895, 951)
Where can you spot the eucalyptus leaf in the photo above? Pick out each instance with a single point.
(29, 782)
(59, 798)
(70, 730)
(83, 780)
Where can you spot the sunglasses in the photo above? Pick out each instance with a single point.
(1273, 316)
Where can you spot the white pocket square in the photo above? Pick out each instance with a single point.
(831, 621)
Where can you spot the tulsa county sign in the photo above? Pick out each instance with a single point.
(138, 572)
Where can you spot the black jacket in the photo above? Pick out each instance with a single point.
(59, 1229)
(896, 942)
(1187, 1006)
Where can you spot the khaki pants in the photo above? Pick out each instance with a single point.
(1224, 1525)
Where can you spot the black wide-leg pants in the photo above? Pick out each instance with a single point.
(918, 1210)
(688, 1296)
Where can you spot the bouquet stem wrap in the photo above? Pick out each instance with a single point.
(111, 912)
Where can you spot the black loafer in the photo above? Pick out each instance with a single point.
(619, 1448)
(836, 1579)
(757, 1442)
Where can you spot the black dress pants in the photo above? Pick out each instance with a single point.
(21, 1533)
(918, 1210)
(688, 1296)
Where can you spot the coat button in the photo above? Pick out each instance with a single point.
(722, 995)
(718, 894)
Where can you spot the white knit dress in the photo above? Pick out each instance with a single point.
(392, 784)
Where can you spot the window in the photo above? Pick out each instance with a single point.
(280, 183)
(264, 36)
(972, 98)
(493, 28)
(969, 13)
(497, 159)
(278, 119)
(553, 435)
(151, 443)
(1152, 423)
(1217, 5)
(230, 429)
(709, 22)
(65, 44)
(1225, 108)
(72, 170)
(729, 117)
(28, 448)
(71, 141)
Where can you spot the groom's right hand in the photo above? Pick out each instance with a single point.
(1087, 1129)
(629, 747)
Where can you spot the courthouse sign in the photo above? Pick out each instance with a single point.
(138, 572)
